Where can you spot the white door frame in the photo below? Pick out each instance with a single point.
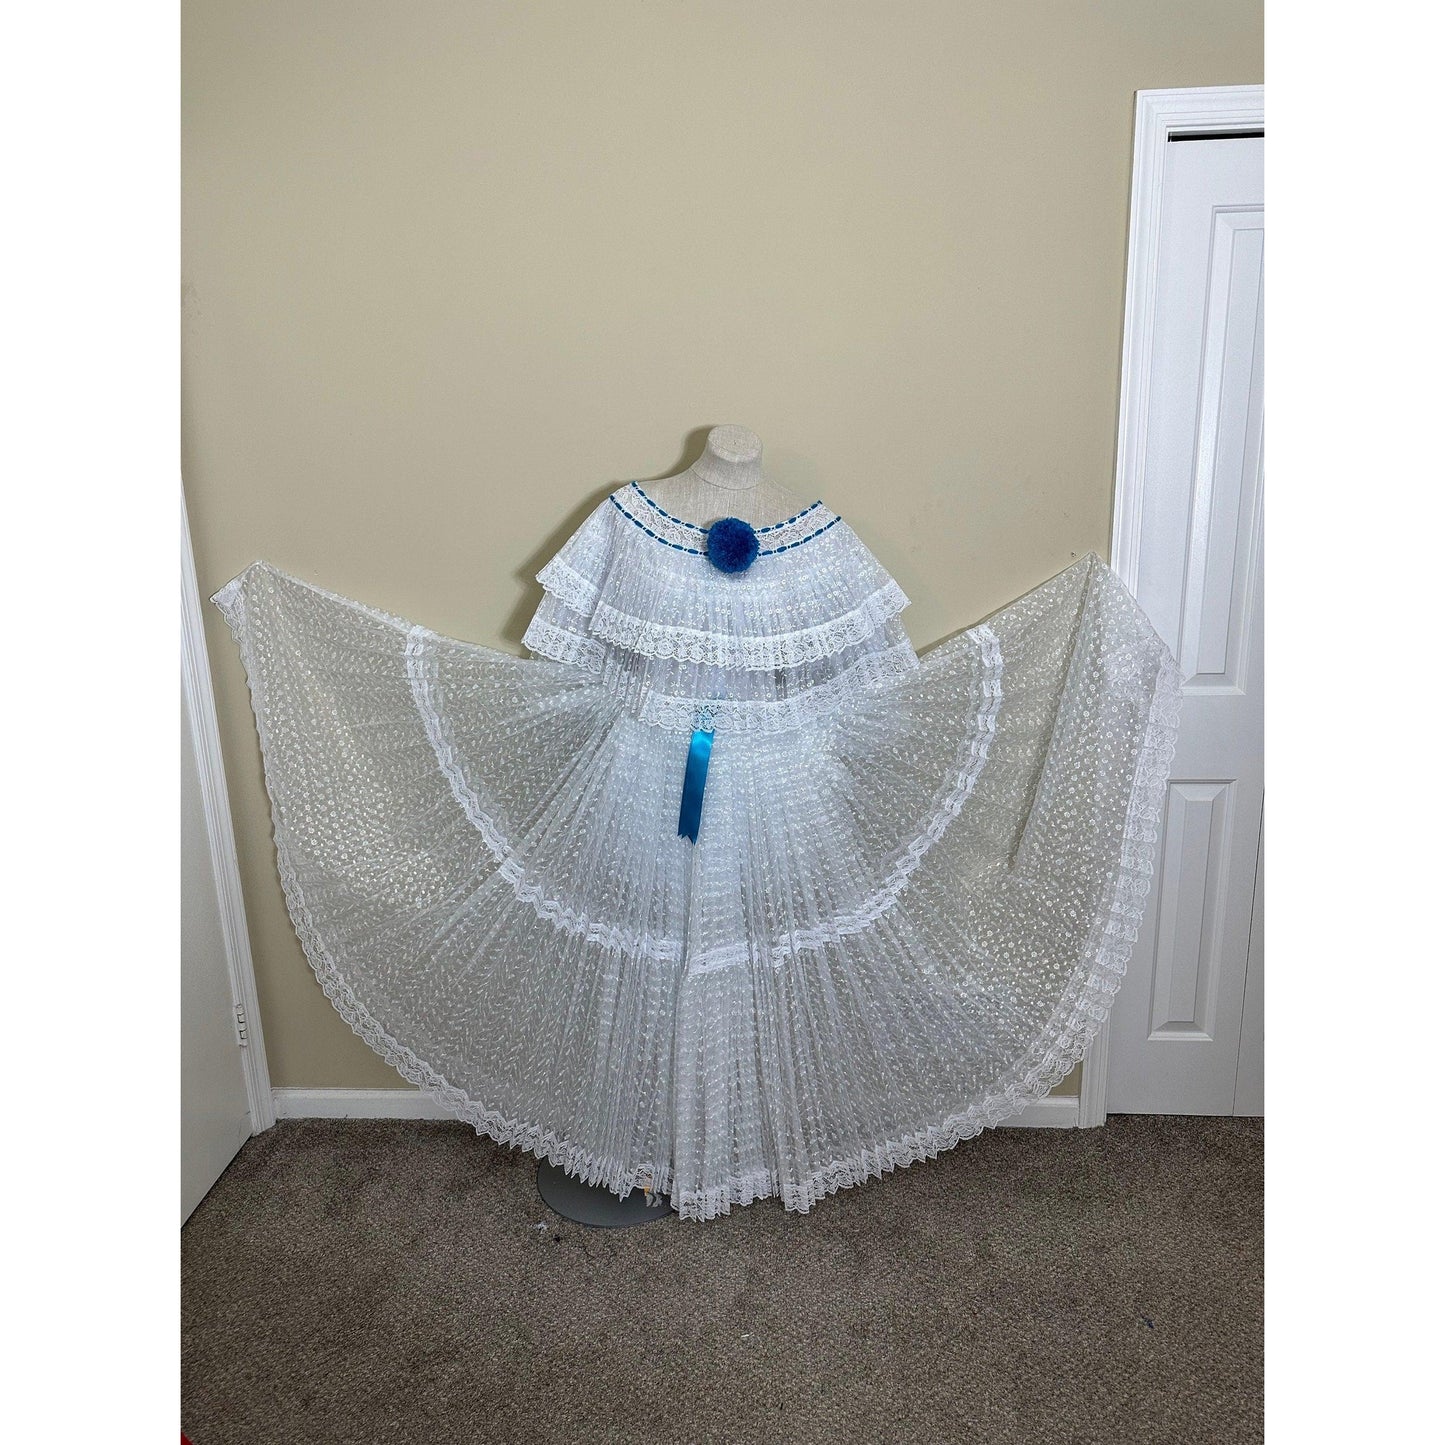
(1158, 115)
(206, 736)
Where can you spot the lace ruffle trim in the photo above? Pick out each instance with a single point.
(558, 645)
(751, 652)
(569, 586)
(577, 578)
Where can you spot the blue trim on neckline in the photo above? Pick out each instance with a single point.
(676, 546)
(700, 552)
(695, 527)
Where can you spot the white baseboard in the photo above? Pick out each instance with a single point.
(1058, 1111)
(357, 1104)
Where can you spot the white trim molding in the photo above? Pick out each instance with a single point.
(357, 1104)
(206, 738)
(1058, 1111)
(1158, 115)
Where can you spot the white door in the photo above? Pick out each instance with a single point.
(215, 1112)
(225, 1087)
(1186, 1034)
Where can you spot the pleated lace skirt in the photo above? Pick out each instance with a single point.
(900, 924)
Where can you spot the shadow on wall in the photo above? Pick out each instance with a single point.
(521, 614)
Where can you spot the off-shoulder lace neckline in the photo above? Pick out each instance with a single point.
(691, 537)
(699, 527)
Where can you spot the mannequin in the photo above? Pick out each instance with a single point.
(727, 481)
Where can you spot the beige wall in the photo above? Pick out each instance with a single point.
(453, 269)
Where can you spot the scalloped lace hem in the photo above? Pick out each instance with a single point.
(569, 586)
(558, 645)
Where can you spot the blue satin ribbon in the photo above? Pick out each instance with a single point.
(694, 780)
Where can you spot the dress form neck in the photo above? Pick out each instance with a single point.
(727, 480)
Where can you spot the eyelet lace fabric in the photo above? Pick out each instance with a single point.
(914, 890)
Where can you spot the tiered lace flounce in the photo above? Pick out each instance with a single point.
(631, 599)
(908, 906)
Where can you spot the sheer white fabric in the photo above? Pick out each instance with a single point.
(913, 894)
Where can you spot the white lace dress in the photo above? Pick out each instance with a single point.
(912, 896)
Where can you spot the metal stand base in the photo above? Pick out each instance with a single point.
(594, 1206)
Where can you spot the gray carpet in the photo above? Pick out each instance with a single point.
(366, 1282)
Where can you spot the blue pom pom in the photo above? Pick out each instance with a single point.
(732, 545)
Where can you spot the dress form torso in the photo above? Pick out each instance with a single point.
(727, 481)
